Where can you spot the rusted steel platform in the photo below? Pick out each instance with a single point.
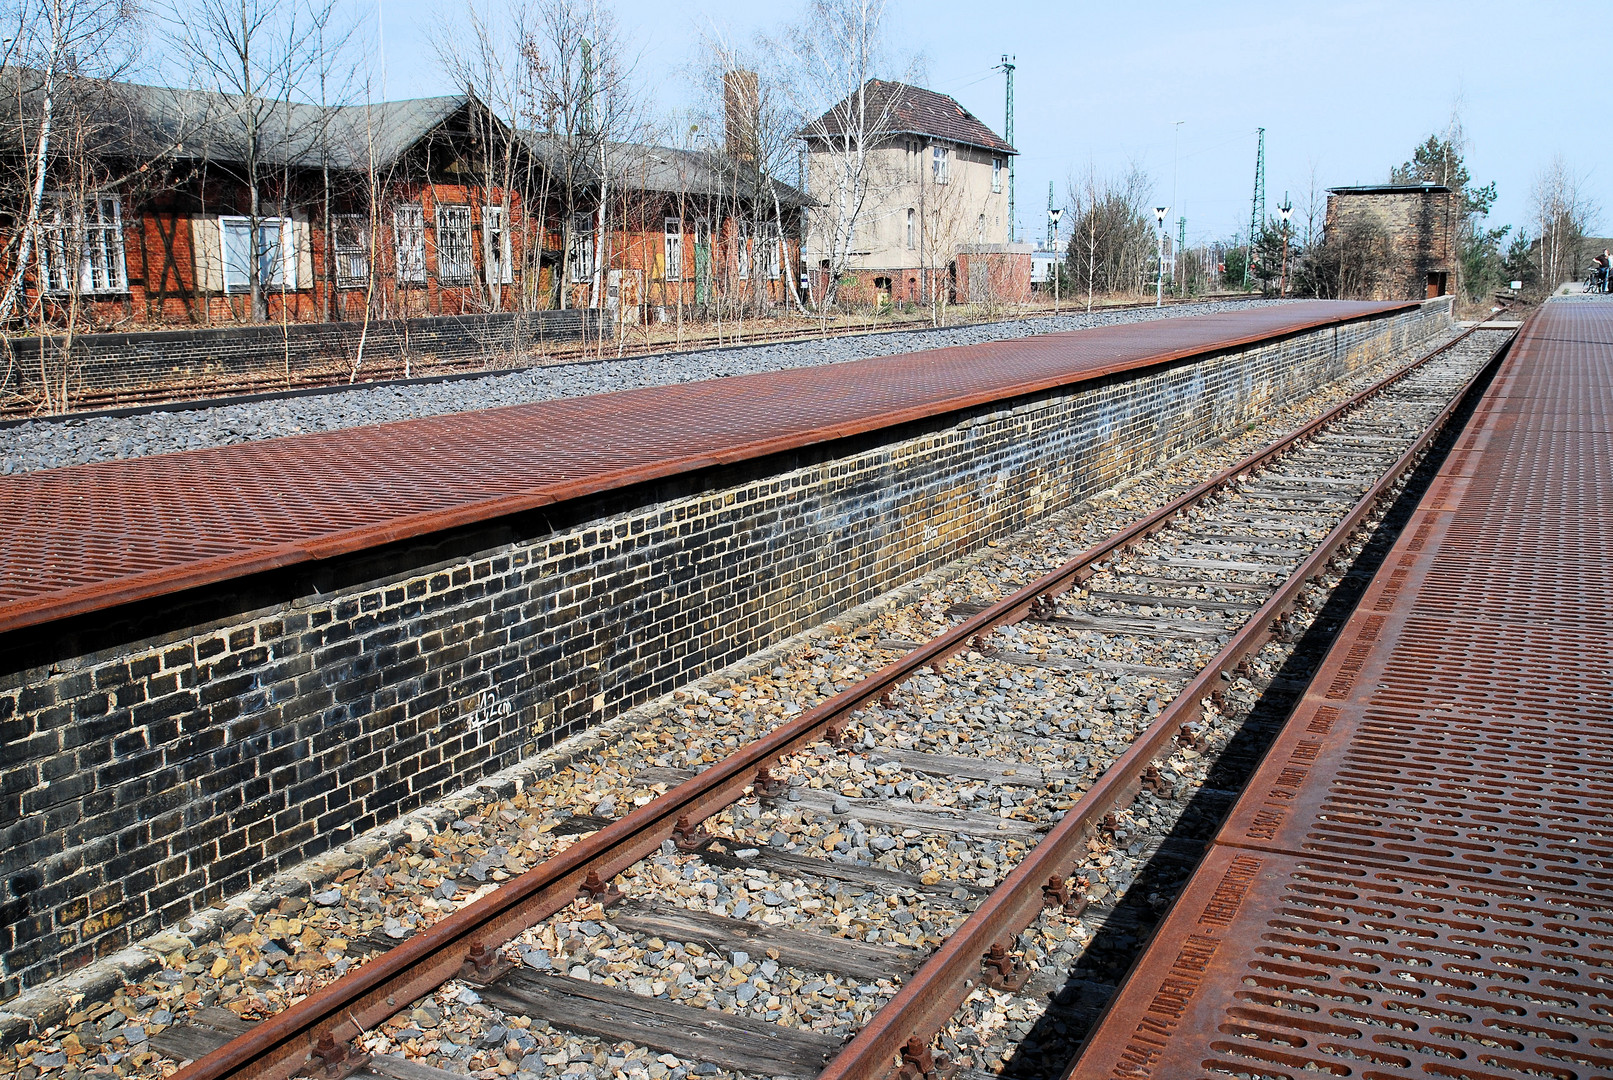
(1419, 879)
(89, 537)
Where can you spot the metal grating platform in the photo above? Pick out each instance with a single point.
(1418, 880)
(88, 537)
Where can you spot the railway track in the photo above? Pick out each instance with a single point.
(904, 875)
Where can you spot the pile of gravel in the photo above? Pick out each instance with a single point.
(52, 444)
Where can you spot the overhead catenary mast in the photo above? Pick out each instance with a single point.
(1007, 68)
(1257, 208)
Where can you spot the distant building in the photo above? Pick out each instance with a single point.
(938, 187)
(1420, 223)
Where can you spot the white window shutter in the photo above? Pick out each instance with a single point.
(205, 251)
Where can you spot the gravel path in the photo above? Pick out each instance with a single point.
(46, 444)
(1045, 728)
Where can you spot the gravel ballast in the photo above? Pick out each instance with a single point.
(53, 444)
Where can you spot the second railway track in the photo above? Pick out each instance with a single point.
(906, 875)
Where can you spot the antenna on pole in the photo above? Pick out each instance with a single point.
(1007, 68)
(1257, 208)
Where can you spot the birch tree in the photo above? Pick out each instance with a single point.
(59, 60)
(1562, 218)
(831, 56)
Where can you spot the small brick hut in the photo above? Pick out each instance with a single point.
(1420, 221)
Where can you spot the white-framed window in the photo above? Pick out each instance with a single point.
(674, 249)
(996, 174)
(352, 247)
(275, 251)
(742, 247)
(455, 265)
(941, 164)
(409, 237)
(496, 246)
(581, 257)
(81, 245)
(912, 229)
(769, 244)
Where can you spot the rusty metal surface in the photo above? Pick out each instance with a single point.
(279, 1046)
(1418, 879)
(89, 537)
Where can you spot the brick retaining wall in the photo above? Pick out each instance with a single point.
(216, 360)
(162, 756)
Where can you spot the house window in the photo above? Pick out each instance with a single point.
(941, 164)
(996, 175)
(581, 256)
(352, 243)
(980, 230)
(767, 242)
(83, 243)
(454, 262)
(742, 240)
(674, 249)
(275, 251)
(496, 245)
(915, 161)
(409, 234)
(912, 230)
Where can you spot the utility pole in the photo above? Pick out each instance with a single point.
(1181, 246)
(1007, 68)
(1257, 208)
(1159, 275)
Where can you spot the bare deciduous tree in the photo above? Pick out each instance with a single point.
(830, 58)
(1563, 216)
(59, 59)
(1112, 239)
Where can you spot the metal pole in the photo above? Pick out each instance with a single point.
(1159, 277)
(1282, 289)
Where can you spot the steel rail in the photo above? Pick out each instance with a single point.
(931, 996)
(283, 1045)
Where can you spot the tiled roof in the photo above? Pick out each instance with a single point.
(899, 109)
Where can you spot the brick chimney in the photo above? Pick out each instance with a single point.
(741, 113)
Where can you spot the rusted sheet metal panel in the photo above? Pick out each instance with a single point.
(1419, 878)
(89, 537)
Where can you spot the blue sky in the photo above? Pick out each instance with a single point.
(1345, 89)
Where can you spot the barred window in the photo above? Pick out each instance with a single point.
(454, 261)
(496, 246)
(581, 257)
(352, 249)
(81, 245)
(409, 238)
(674, 249)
